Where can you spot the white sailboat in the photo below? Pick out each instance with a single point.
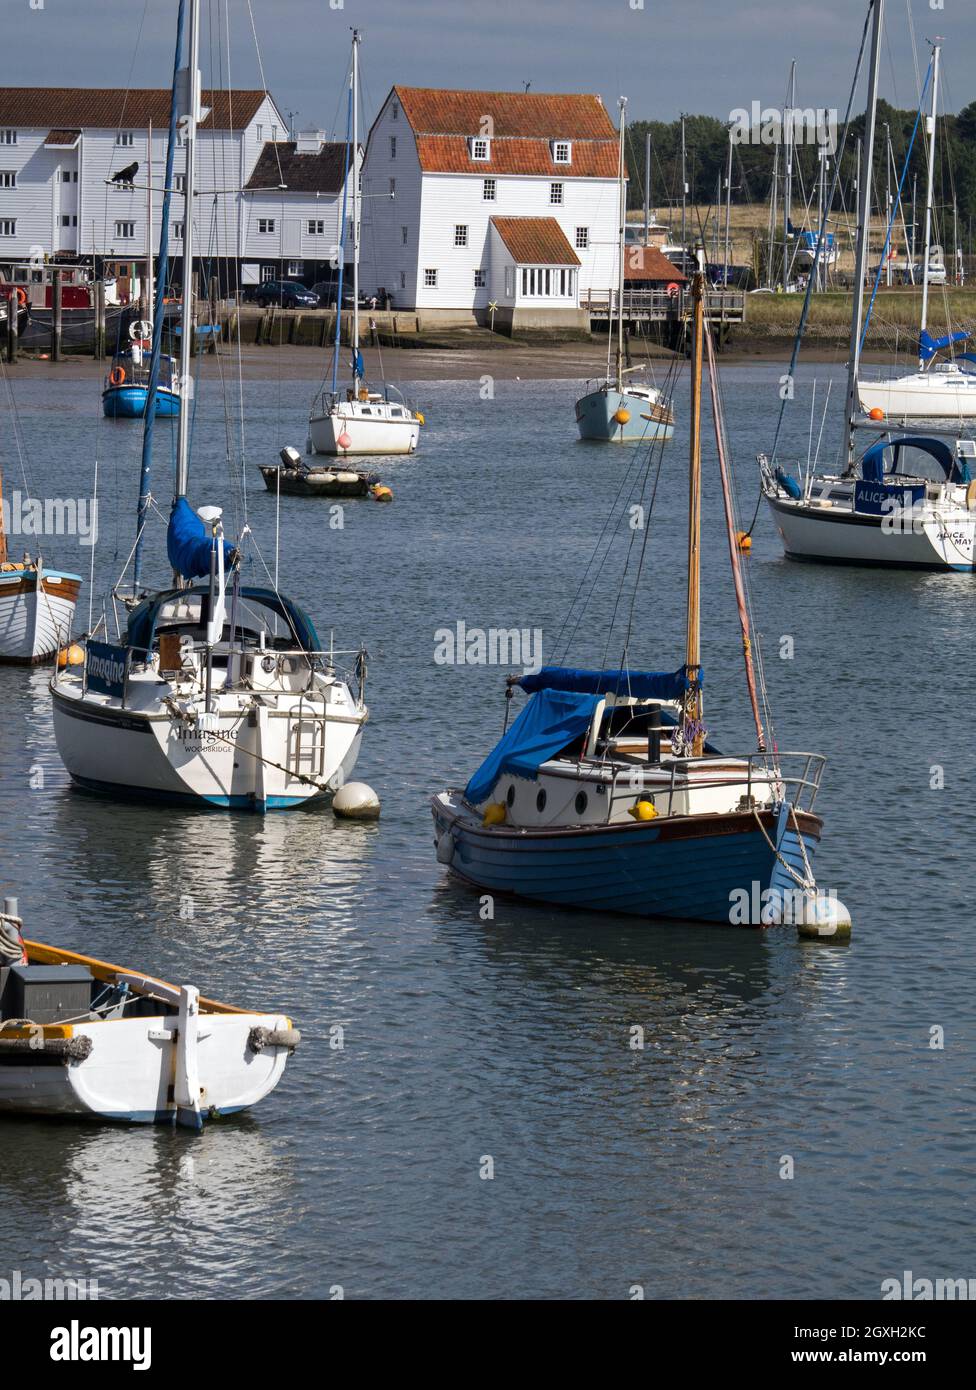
(218, 693)
(620, 410)
(940, 390)
(359, 420)
(910, 500)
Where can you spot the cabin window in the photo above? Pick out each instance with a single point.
(581, 803)
(266, 225)
(480, 149)
(8, 226)
(556, 193)
(480, 279)
(561, 151)
(124, 137)
(540, 801)
(396, 411)
(488, 189)
(8, 137)
(8, 178)
(510, 795)
(316, 226)
(582, 238)
(404, 235)
(125, 230)
(430, 279)
(393, 147)
(460, 235)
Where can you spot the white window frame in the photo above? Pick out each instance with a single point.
(178, 231)
(8, 178)
(8, 136)
(179, 183)
(492, 196)
(562, 145)
(120, 229)
(295, 268)
(316, 226)
(480, 278)
(8, 226)
(582, 238)
(125, 139)
(430, 278)
(266, 226)
(479, 148)
(392, 188)
(460, 236)
(557, 194)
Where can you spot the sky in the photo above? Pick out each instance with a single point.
(665, 56)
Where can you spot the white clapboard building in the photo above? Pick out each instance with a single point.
(265, 206)
(498, 198)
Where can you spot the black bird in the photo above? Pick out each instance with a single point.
(127, 174)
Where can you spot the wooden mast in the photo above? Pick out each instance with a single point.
(11, 309)
(693, 705)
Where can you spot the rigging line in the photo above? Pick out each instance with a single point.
(235, 346)
(264, 84)
(624, 658)
(828, 203)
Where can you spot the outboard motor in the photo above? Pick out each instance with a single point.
(291, 458)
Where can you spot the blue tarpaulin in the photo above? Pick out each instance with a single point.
(550, 721)
(640, 685)
(189, 542)
(873, 462)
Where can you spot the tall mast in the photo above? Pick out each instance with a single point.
(728, 212)
(190, 114)
(863, 224)
(355, 205)
(684, 182)
(930, 191)
(149, 231)
(647, 187)
(622, 195)
(887, 219)
(693, 636)
(788, 178)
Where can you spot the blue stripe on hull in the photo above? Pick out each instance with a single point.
(121, 792)
(630, 872)
(129, 402)
(595, 412)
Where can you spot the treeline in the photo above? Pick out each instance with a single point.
(707, 145)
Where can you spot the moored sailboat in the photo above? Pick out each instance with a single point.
(606, 794)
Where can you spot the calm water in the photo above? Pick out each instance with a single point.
(509, 1038)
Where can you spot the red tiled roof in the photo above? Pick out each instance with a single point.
(535, 240)
(522, 126)
(112, 108)
(648, 263)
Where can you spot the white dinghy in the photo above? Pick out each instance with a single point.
(83, 1038)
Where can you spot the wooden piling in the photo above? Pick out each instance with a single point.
(12, 327)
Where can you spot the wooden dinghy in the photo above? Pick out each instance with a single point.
(295, 477)
(86, 1039)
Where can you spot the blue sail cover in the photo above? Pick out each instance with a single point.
(640, 685)
(189, 542)
(141, 629)
(551, 720)
(929, 346)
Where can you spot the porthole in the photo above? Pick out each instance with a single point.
(580, 803)
(540, 801)
(510, 798)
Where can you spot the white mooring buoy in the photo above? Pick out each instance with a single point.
(356, 801)
(823, 917)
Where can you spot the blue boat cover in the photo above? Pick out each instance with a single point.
(189, 542)
(141, 629)
(929, 346)
(872, 464)
(640, 685)
(787, 481)
(551, 720)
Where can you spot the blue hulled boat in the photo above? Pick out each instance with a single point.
(606, 794)
(127, 387)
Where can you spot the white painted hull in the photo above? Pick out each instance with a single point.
(241, 765)
(35, 618)
(939, 395)
(366, 435)
(940, 540)
(129, 1073)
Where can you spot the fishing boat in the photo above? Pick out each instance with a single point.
(938, 389)
(219, 693)
(907, 502)
(358, 419)
(606, 792)
(297, 478)
(621, 410)
(82, 1038)
(126, 391)
(37, 604)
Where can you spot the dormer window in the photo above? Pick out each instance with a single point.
(562, 152)
(480, 148)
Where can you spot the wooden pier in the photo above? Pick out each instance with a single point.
(671, 309)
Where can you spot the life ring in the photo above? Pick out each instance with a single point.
(674, 289)
(116, 376)
(21, 296)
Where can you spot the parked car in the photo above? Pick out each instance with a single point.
(327, 290)
(285, 294)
